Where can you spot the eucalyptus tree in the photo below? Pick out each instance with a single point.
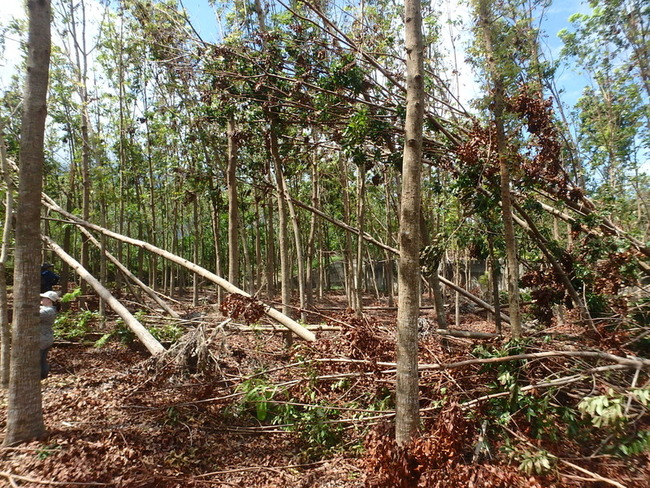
(5, 326)
(407, 395)
(78, 50)
(24, 410)
(496, 56)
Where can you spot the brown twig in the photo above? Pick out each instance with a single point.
(11, 477)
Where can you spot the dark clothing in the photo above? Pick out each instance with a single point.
(45, 366)
(48, 280)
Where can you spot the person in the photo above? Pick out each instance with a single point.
(48, 315)
(48, 277)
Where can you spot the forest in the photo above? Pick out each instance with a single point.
(326, 244)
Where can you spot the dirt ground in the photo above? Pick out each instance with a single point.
(116, 418)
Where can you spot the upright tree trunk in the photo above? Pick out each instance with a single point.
(270, 250)
(283, 241)
(195, 250)
(215, 235)
(388, 268)
(25, 408)
(358, 275)
(81, 65)
(498, 108)
(494, 279)
(407, 397)
(311, 241)
(347, 251)
(233, 205)
(5, 329)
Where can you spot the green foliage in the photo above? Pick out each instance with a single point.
(123, 333)
(71, 296)
(74, 325)
(539, 409)
(533, 462)
(315, 421)
(604, 410)
(608, 413)
(169, 332)
(257, 394)
(46, 451)
(345, 74)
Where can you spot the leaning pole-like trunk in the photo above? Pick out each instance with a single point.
(149, 341)
(229, 287)
(154, 296)
(407, 412)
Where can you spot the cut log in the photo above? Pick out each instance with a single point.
(149, 341)
(288, 322)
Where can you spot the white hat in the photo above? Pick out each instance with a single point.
(51, 295)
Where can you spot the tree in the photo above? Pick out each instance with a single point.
(497, 82)
(25, 411)
(407, 409)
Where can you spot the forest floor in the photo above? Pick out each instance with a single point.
(235, 408)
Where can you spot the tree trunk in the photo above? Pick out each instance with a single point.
(81, 67)
(311, 240)
(233, 205)
(5, 329)
(270, 267)
(25, 407)
(498, 108)
(149, 291)
(494, 280)
(196, 240)
(358, 275)
(283, 241)
(149, 341)
(407, 396)
(274, 314)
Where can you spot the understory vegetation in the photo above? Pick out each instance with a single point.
(232, 406)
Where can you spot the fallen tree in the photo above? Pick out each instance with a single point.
(149, 341)
(127, 273)
(288, 322)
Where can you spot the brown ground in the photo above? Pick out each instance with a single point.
(115, 418)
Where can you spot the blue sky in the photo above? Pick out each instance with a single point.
(206, 22)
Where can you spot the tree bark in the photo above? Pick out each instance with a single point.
(233, 205)
(25, 407)
(361, 210)
(407, 396)
(498, 109)
(282, 224)
(5, 328)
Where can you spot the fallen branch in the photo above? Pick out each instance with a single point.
(130, 275)
(567, 380)
(11, 476)
(595, 476)
(467, 333)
